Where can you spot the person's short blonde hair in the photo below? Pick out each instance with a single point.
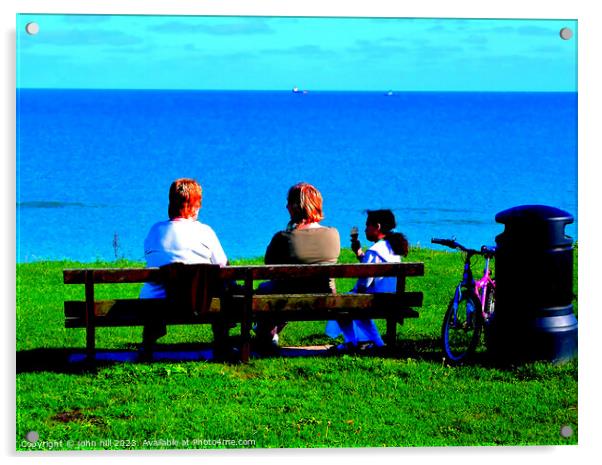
(185, 198)
(305, 203)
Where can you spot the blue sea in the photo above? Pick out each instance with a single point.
(94, 166)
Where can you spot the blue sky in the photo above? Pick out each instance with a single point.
(259, 53)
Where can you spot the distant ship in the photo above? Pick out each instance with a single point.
(297, 91)
(389, 94)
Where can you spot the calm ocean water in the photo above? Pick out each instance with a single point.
(94, 167)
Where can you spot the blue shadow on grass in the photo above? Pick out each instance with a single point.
(134, 356)
(73, 360)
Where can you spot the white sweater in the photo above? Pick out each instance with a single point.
(380, 252)
(179, 240)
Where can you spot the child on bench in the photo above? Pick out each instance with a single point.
(389, 246)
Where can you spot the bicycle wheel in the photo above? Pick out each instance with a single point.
(462, 327)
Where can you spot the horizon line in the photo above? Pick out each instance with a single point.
(301, 91)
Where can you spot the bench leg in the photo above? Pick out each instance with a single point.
(391, 336)
(90, 315)
(90, 343)
(245, 334)
(246, 323)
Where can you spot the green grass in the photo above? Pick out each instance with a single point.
(345, 401)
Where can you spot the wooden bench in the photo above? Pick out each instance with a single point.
(197, 300)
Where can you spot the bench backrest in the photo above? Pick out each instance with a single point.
(253, 272)
(191, 288)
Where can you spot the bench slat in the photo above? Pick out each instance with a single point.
(357, 270)
(297, 302)
(139, 307)
(128, 312)
(302, 315)
(113, 275)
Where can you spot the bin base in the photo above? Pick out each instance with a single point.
(552, 339)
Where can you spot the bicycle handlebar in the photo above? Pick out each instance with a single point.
(452, 244)
(488, 250)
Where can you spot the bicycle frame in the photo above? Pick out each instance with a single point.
(478, 287)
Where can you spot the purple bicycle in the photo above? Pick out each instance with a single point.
(470, 309)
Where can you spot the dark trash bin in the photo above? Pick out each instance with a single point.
(534, 317)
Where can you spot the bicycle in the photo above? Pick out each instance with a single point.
(471, 308)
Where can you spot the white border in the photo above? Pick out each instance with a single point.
(590, 80)
(425, 8)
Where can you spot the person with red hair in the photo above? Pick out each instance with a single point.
(181, 238)
(304, 241)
